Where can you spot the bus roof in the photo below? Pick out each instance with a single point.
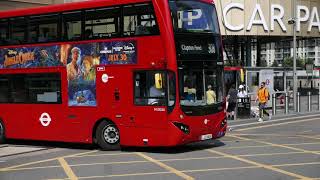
(66, 7)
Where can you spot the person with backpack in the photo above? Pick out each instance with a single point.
(263, 96)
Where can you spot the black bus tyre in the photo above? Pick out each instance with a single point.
(108, 136)
(2, 133)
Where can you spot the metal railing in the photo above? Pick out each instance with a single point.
(282, 102)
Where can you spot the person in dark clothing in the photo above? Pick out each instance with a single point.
(232, 102)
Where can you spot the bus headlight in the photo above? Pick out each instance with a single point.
(184, 128)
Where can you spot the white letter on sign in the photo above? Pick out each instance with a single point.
(314, 15)
(191, 17)
(302, 19)
(261, 21)
(278, 17)
(225, 12)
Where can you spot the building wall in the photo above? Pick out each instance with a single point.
(235, 17)
(16, 4)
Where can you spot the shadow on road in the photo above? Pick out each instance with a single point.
(50, 145)
(166, 150)
(177, 149)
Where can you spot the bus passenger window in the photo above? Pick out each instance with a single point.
(18, 89)
(44, 88)
(18, 32)
(150, 88)
(4, 89)
(103, 23)
(139, 20)
(37, 88)
(71, 26)
(43, 28)
(3, 32)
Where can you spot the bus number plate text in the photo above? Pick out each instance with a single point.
(206, 137)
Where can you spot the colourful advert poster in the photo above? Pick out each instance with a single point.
(80, 61)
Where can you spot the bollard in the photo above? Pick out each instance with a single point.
(286, 104)
(309, 102)
(274, 104)
(319, 100)
(298, 102)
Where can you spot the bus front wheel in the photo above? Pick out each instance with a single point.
(2, 134)
(108, 136)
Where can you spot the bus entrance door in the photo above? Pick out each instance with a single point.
(114, 93)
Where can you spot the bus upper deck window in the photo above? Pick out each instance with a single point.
(18, 32)
(103, 23)
(3, 32)
(43, 28)
(71, 26)
(139, 20)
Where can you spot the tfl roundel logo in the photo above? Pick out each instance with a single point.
(45, 119)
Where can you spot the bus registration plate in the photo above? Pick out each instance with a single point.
(206, 137)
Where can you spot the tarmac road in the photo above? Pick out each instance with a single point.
(284, 148)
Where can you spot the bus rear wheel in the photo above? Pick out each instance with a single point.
(2, 134)
(108, 136)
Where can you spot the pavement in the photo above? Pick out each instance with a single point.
(8, 150)
(286, 147)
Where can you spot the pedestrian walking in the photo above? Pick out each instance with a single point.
(232, 102)
(263, 97)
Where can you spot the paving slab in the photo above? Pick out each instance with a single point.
(11, 150)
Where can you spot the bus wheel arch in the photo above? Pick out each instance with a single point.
(106, 134)
(2, 132)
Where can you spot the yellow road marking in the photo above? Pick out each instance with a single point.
(104, 154)
(76, 165)
(297, 164)
(290, 144)
(31, 168)
(220, 169)
(277, 124)
(248, 140)
(245, 147)
(260, 165)
(270, 135)
(196, 170)
(111, 163)
(270, 154)
(124, 175)
(228, 141)
(188, 159)
(163, 160)
(171, 169)
(309, 137)
(46, 160)
(67, 169)
(279, 145)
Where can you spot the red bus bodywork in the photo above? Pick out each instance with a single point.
(135, 123)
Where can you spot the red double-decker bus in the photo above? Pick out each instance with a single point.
(129, 72)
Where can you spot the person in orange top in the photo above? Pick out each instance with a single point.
(263, 97)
